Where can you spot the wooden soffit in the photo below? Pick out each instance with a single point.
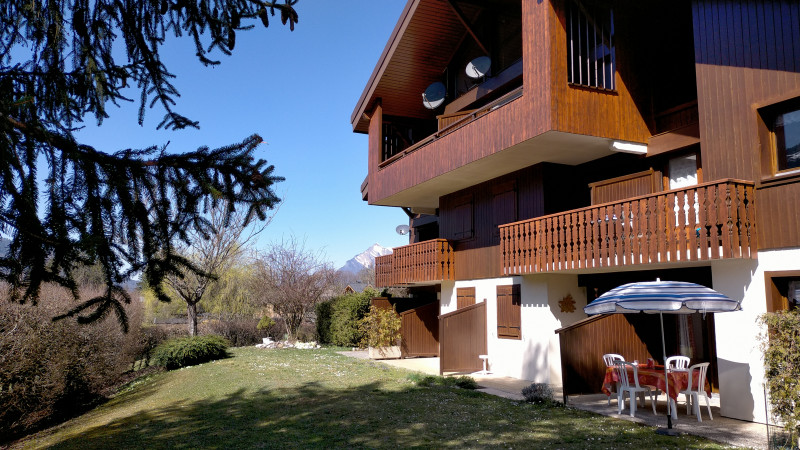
(419, 49)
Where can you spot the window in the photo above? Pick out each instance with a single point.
(786, 135)
(780, 137)
(509, 320)
(465, 297)
(783, 290)
(591, 59)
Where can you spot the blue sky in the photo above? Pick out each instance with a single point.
(297, 91)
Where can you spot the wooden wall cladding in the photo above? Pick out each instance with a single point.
(420, 331)
(633, 185)
(462, 337)
(583, 345)
(778, 215)
(747, 56)
(547, 103)
(614, 114)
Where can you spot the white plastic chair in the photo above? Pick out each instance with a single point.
(625, 385)
(692, 395)
(611, 360)
(677, 362)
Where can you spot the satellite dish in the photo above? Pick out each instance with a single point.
(433, 96)
(402, 229)
(479, 67)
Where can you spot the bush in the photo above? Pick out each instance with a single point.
(781, 346)
(238, 332)
(183, 352)
(380, 327)
(324, 313)
(463, 382)
(538, 393)
(55, 370)
(265, 323)
(346, 311)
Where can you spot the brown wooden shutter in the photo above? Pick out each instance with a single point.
(509, 319)
(462, 221)
(504, 208)
(465, 297)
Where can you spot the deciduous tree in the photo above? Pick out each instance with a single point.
(63, 62)
(292, 280)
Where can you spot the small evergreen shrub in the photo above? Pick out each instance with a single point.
(781, 347)
(324, 313)
(380, 328)
(347, 310)
(538, 393)
(463, 382)
(183, 352)
(265, 323)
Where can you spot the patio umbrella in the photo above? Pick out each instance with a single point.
(671, 297)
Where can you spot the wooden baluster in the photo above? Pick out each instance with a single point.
(619, 238)
(734, 224)
(752, 244)
(680, 226)
(596, 239)
(671, 227)
(581, 249)
(727, 220)
(661, 227)
(702, 207)
(567, 242)
(713, 220)
(692, 218)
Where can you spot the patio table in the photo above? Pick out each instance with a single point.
(654, 376)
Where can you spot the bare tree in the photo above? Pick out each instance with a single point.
(292, 279)
(212, 251)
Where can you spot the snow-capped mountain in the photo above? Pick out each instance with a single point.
(365, 258)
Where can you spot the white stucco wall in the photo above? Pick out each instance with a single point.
(739, 357)
(537, 356)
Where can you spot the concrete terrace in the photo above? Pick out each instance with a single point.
(722, 429)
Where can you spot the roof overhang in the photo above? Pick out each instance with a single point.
(417, 53)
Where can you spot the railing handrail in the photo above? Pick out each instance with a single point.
(507, 98)
(630, 199)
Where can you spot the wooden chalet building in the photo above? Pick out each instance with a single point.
(606, 141)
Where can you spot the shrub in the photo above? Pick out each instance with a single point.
(182, 352)
(538, 393)
(55, 370)
(380, 328)
(265, 323)
(463, 382)
(781, 346)
(239, 332)
(346, 312)
(324, 313)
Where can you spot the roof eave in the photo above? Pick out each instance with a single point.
(365, 100)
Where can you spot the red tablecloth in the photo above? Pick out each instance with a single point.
(654, 376)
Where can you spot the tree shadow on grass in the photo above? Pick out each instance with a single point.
(314, 416)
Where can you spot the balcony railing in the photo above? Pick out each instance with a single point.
(416, 263)
(708, 221)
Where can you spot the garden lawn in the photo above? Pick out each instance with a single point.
(319, 399)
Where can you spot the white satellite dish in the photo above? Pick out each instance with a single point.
(434, 95)
(479, 67)
(402, 229)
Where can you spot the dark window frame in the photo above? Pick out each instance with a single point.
(774, 160)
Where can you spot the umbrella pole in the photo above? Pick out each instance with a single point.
(666, 375)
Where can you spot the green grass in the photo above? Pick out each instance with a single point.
(320, 399)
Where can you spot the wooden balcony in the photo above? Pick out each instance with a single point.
(705, 222)
(419, 263)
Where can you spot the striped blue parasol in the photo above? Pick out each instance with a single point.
(659, 297)
(677, 297)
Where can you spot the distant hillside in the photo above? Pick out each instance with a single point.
(365, 259)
